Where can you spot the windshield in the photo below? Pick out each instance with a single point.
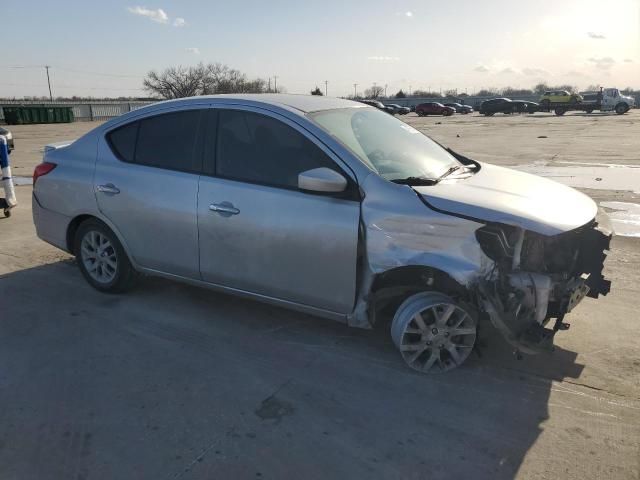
(387, 145)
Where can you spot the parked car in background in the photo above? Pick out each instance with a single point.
(399, 109)
(434, 108)
(378, 105)
(464, 109)
(329, 208)
(496, 105)
(9, 136)
(559, 96)
(523, 106)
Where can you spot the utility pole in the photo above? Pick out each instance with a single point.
(275, 83)
(409, 90)
(47, 67)
(325, 87)
(385, 90)
(269, 87)
(355, 90)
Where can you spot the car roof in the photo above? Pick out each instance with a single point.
(302, 103)
(295, 104)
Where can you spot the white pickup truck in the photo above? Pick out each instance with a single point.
(607, 100)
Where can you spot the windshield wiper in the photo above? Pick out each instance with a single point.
(449, 171)
(415, 181)
(422, 181)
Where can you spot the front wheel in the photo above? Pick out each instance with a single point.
(621, 108)
(101, 258)
(433, 332)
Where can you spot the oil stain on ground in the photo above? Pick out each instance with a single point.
(273, 408)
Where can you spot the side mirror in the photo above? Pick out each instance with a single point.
(322, 180)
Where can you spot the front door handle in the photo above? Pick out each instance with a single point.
(109, 188)
(226, 209)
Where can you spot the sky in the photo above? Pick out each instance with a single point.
(105, 48)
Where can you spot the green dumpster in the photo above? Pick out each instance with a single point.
(23, 115)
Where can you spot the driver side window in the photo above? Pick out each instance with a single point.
(255, 148)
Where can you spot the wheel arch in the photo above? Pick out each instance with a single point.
(391, 287)
(79, 219)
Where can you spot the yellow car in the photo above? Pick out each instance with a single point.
(560, 96)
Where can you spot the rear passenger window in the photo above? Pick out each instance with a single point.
(123, 141)
(259, 149)
(165, 141)
(168, 141)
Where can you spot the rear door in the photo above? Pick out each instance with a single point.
(146, 185)
(258, 232)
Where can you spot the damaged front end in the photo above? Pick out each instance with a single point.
(538, 279)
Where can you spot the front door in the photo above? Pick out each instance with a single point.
(258, 232)
(146, 184)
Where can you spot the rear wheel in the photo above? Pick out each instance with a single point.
(433, 332)
(589, 111)
(560, 111)
(101, 258)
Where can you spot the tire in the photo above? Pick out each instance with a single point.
(621, 108)
(589, 111)
(96, 245)
(560, 111)
(433, 332)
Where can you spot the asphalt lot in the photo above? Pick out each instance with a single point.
(172, 381)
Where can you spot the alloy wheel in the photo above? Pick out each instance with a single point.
(433, 332)
(99, 257)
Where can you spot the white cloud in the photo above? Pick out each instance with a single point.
(383, 59)
(481, 69)
(408, 14)
(158, 15)
(194, 50)
(602, 63)
(596, 36)
(508, 71)
(179, 22)
(535, 72)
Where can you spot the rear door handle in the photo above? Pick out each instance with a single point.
(109, 188)
(226, 209)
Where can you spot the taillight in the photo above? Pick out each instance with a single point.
(42, 169)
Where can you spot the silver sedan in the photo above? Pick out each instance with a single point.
(329, 207)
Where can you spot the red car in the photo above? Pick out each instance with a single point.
(434, 108)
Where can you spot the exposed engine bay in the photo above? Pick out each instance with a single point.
(538, 279)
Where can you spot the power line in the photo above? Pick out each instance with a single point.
(73, 70)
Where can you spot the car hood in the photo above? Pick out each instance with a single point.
(503, 195)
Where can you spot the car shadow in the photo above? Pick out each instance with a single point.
(172, 379)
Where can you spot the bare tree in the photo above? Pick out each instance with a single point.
(374, 92)
(317, 91)
(178, 82)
